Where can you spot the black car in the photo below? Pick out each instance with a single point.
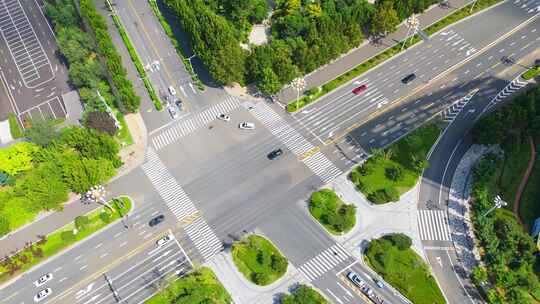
(158, 219)
(275, 154)
(408, 78)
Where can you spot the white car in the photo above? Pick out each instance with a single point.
(224, 117)
(172, 90)
(355, 278)
(173, 112)
(247, 125)
(42, 294)
(164, 240)
(43, 279)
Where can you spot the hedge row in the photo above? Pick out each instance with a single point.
(129, 101)
(385, 55)
(14, 127)
(137, 62)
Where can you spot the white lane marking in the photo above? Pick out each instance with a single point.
(117, 235)
(331, 293)
(345, 289)
(78, 257)
(57, 269)
(103, 255)
(98, 245)
(62, 279)
(84, 291)
(123, 244)
(82, 268)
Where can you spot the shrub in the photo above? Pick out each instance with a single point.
(67, 236)
(394, 173)
(82, 222)
(105, 217)
(382, 196)
(278, 263)
(259, 278)
(400, 240)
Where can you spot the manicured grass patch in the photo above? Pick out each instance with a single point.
(304, 295)
(168, 30)
(391, 172)
(123, 135)
(137, 62)
(385, 55)
(200, 286)
(336, 216)
(530, 74)
(259, 260)
(392, 258)
(63, 238)
(14, 128)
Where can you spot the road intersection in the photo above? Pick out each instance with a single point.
(214, 183)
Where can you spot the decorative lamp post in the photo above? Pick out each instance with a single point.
(499, 203)
(299, 84)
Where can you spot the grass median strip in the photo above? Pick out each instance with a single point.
(168, 30)
(49, 245)
(336, 216)
(137, 62)
(314, 94)
(392, 258)
(259, 260)
(200, 286)
(531, 73)
(393, 171)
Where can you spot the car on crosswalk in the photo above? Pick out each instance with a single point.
(43, 279)
(42, 294)
(172, 112)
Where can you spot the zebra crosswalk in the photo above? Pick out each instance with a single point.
(181, 206)
(433, 225)
(318, 163)
(324, 261)
(186, 126)
(204, 238)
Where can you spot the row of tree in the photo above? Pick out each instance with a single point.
(129, 100)
(305, 34)
(53, 164)
(510, 254)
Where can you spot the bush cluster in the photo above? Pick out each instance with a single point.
(328, 209)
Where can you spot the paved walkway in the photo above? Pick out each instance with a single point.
(524, 181)
(367, 50)
(459, 209)
(374, 221)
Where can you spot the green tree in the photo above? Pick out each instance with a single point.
(303, 295)
(82, 222)
(394, 173)
(400, 240)
(41, 132)
(42, 188)
(479, 275)
(385, 18)
(17, 158)
(67, 236)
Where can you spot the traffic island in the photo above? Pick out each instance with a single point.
(200, 286)
(49, 245)
(259, 260)
(392, 258)
(331, 212)
(391, 172)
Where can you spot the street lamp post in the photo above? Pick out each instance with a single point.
(499, 203)
(412, 28)
(96, 194)
(299, 84)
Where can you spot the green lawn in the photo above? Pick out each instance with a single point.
(390, 173)
(304, 295)
(61, 239)
(259, 260)
(404, 270)
(512, 168)
(531, 73)
(336, 216)
(14, 128)
(201, 286)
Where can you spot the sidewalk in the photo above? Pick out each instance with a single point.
(367, 50)
(459, 209)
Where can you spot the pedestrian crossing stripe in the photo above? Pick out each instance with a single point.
(433, 225)
(187, 126)
(316, 161)
(324, 261)
(181, 206)
(512, 87)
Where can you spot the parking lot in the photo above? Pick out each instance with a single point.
(33, 77)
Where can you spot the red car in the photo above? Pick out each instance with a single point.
(360, 89)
